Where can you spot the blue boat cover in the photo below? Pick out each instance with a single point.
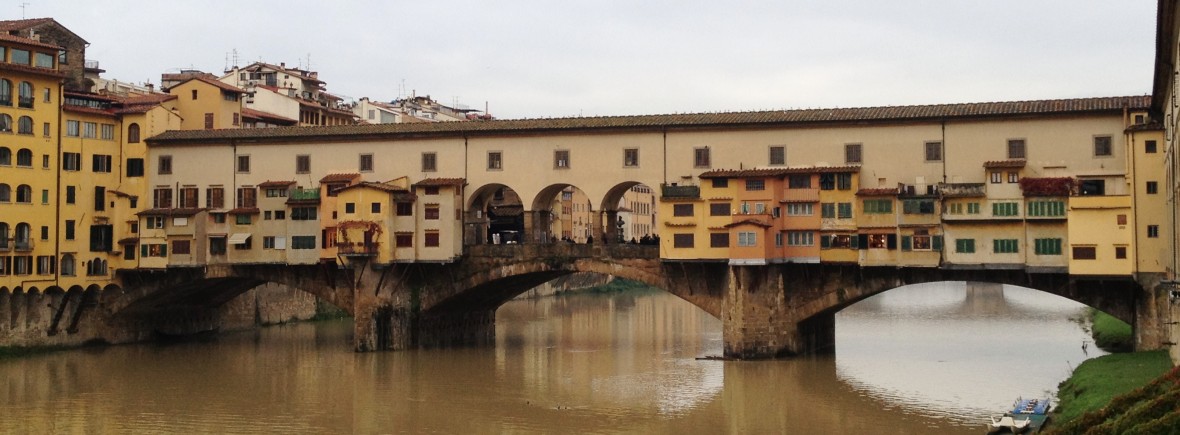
(1031, 406)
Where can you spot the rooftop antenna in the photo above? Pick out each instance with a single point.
(22, 9)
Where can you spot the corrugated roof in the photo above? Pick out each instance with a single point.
(779, 118)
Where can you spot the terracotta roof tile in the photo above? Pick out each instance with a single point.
(744, 173)
(4, 66)
(267, 116)
(336, 178)
(1011, 163)
(31, 42)
(275, 183)
(128, 241)
(213, 82)
(458, 182)
(881, 191)
(244, 210)
(84, 109)
(749, 222)
(776, 118)
(8, 25)
(372, 185)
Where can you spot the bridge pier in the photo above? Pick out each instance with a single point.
(757, 323)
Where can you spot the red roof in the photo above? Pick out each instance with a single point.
(267, 116)
(337, 178)
(31, 42)
(457, 182)
(369, 184)
(754, 222)
(244, 210)
(1011, 163)
(777, 172)
(212, 82)
(275, 183)
(880, 191)
(86, 109)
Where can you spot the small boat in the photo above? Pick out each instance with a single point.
(1026, 414)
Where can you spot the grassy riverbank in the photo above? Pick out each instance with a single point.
(1111, 334)
(1132, 380)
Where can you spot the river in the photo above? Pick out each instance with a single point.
(935, 358)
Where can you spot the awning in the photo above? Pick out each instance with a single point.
(238, 238)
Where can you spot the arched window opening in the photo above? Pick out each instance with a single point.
(5, 123)
(4, 236)
(5, 193)
(24, 157)
(5, 156)
(25, 125)
(5, 92)
(133, 133)
(26, 95)
(24, 194)
(68, 265)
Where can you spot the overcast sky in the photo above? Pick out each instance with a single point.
(558, 58)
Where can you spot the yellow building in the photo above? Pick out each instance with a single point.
(207, 104)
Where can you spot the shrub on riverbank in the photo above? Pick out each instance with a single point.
(1117, 394)
(1111, 334)
(618, 285)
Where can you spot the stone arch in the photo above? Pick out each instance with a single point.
(33, 302)
(616, 195)
(548, 224)
(16, 305)
(483, 220)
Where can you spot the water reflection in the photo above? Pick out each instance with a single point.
(913, 360)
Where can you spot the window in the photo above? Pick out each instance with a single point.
(1152, 187)
(26, 93)
(108, 131)
(973, 208)
(800, 209)
(268, 242)
(218, 218)
(101, 163)
(276, 192)
(852, 153)
(135, 167)
(1150, 147)
(561, 159)
(5, 156)
(880, 241)
(243, 165)
(208, 121)
(1005, 209)
(375, 207)
(89, 130)
(1120, 252)
(700, 157)
(747, 238)
(827, 181)
(302, 242)
(755, 185)
(715, 209)
(404, 209)
(1085, 253)
(242, 219)
(403, 240)
(100, 202)
(302, 214)
(1046, 208)
(1102, 147)
(181, 247)
(720, 183)
(1016, 148)
(71, 161)
(800, 238)
(430, 161)
(24, 125)
(215, 197)
(1092, 187)
(828, 210)
(631, 157)
(430, 239)
(682, 240)
(682, 210)
(1153, 231)
(495, 160)
(349, 207)
(5, 195)
(45, 264)
(73, 128)
(1005, 246)
(778, 155)
(1047, 246)
(45, 129)
(997, 177)
(247, 197)
(162, 197)
(431, 212)
(965, 246)
(5, 87)
(69, 266)
(21, 57)
(101, 237)
(430, 190)
(164, 165)
(366, 163)
(71, 194)
(133, 133)
(45, 196)
(47, 95)
(878, 206)
(154, 222)
(799, 181)
(302, 164)
(933, 151)
(24, 194)
(188, 197)
(5, 123)
(237, 118)
(844, 210)
(1013, 177)
(718, 240)
(918, 206)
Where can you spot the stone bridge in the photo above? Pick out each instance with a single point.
(772, 310)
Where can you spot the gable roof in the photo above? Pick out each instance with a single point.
(29, 23)
(223, 86)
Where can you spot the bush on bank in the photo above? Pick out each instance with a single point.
(1120, 394)
(1111, 334)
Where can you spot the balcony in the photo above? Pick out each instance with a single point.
(962, 190)
(303, 196)
(680, 192)
(26, 102)
(357, 248)
(24, 245)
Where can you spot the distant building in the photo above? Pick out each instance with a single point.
(289, 93)
(71, 48)
(413, 109)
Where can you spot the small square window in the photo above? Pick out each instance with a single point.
(631, 157)
(243, 164)
(1120, 252)
(561, 159)
(933, 151)
(701, 158)
(495, 160)
(302, 164)
(1150, 147)
(430, 162)
(778, 155)
(1016, 148)
(1153, 187)
(1102, 146)
(853, 153)
(366, 163)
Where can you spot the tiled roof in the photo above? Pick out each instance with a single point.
(441, 182)
(9, 25)
(1151, 126)
(336, 178)
(880, 191)
(215, 83)
(749, 222)
(244, 210)
(4, 66)
(275, 183)
(266, 116)
(170, 212)
(1011, 163)
(128, 241)
(22, 40)
(372, 185)
(85, 109)
(147, 99)
(775, 118)
(776, 172)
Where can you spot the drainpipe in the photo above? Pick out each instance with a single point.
(665, 159)
(57, 202)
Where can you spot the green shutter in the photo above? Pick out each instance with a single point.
(825, 241)
(143, 250)
(164, 250)
(905, 243)
(936, 243)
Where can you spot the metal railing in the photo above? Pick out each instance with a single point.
(24, 245)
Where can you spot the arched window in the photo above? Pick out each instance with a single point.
(24, 157)
(24, 194)
(5, 193)
(5, 123)
(25, 125)
(26, 95)
(23, 234)
(5, 156)
(68, 265)
(97, 266)
(5, 92)
(133, 133)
